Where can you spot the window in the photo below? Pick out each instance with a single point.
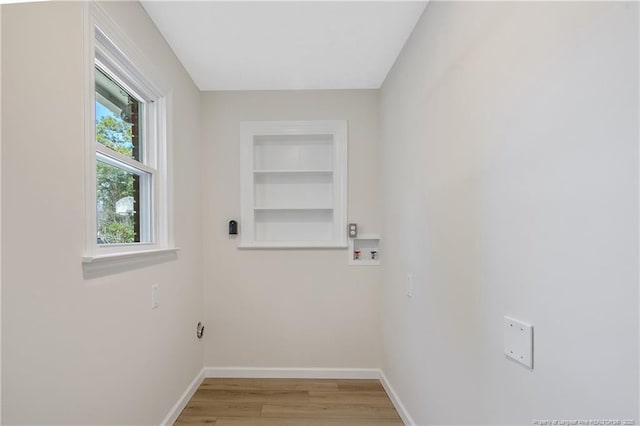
(126, 171)
(123, 180)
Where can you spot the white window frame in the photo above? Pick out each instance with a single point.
(107, 48)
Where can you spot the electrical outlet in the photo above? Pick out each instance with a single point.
(409, 285)
(155, 296)
(518, 341)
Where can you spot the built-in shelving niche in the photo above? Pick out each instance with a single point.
(294, 184)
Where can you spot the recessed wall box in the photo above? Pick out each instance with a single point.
(364, 250)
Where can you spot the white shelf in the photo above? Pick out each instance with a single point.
(294, 184)
(293, 190)
(303, 225)
(293, 208)
(292, 172)
(290, 245)
(294, 148)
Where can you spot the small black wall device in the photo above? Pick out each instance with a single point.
(233, 227)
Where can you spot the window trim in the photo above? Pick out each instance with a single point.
(107, 48)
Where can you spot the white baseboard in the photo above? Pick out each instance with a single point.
(291, 373)
(395, 400)
(175, 411)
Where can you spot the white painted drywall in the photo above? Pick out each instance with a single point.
(237, 45)
(287, 308)
(0, 214)
(81, 351)
(509, 156)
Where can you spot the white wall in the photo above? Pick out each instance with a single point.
(508, 166)
(81, 351)
(287, 308)
(509, 151)
(0, 215)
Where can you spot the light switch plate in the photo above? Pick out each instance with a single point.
(518, 341)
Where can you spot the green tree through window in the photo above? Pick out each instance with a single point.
(116, 194)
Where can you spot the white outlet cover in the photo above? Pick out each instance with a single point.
(518, 341)
(409, 285)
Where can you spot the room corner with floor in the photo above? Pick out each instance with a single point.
(320, 213)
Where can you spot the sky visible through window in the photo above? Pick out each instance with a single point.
(102, 111)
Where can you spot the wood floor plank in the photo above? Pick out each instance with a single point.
(191, 420)
(373, 399)
(262, 421)
(220, 409)
(289, 402)
(359, 385)
(327, 410)
(270, 384)
(250, 396)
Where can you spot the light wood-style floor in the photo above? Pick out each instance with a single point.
(290, 402)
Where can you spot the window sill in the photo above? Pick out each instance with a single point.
(113, 263)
